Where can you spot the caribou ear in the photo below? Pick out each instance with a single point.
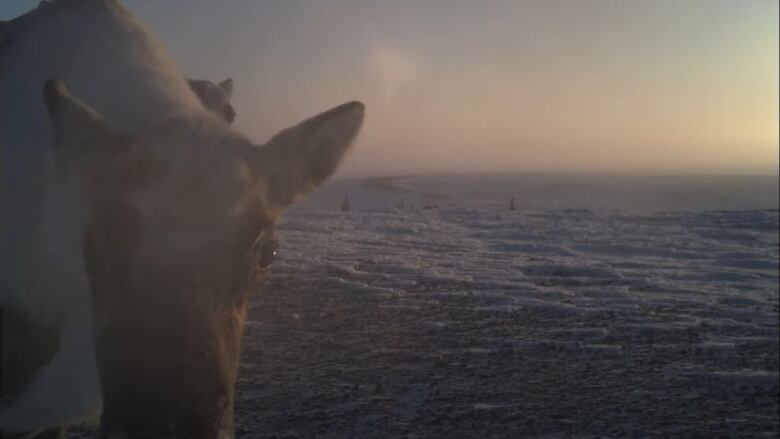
(83, 144)
(77, 130)
(227, 87)
(299, 159)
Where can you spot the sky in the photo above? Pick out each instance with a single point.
(617, 86)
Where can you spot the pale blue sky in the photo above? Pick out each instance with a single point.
(455, 85)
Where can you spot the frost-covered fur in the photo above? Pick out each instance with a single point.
(127, 78)
(122, 173)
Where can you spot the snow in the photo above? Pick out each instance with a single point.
(465, 319)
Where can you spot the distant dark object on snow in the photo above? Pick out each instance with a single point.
(345, 207)
(512, 204)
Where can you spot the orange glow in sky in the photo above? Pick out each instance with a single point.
(624, 86)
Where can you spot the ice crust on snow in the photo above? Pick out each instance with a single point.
(658, 304)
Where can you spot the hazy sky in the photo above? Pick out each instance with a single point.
(453, 85)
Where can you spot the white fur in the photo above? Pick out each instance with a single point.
(118, 69)
(116, 66)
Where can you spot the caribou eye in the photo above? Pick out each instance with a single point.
(265, 254)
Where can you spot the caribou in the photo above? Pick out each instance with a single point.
(135, 225)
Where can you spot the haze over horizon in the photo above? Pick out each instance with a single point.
(465, 86)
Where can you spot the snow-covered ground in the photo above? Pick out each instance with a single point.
(621, 308)
(600, 307)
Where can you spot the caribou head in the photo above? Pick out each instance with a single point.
(180, 232)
